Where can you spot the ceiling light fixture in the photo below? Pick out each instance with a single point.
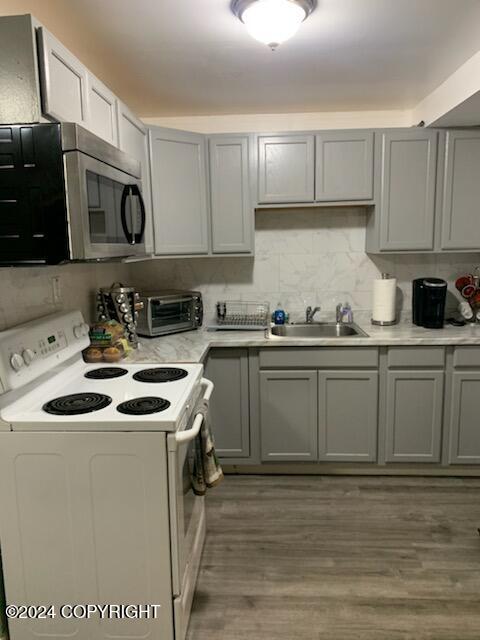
(272, 21)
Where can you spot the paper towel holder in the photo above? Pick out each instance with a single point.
(385, 323)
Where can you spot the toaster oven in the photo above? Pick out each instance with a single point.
(169, 311)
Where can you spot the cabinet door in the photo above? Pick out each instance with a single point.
(347, 415)
(406, 204)
(286, 168)
(133, 139)
(288, 415)
(414, 416)
(231, 198)
(344, 166)
(102, 110)
(179, 191)
(461, 191)
(464, 421)
(228, 370)
(64, 81)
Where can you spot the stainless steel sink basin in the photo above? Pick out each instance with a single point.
(318, 330)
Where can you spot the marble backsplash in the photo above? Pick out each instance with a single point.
(27, 292)
(302, 257)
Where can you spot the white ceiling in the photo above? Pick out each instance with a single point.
(190, 57)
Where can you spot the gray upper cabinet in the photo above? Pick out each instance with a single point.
(344, 166)
(179, 191)
(133, 139)
(64, 81)
(288, 415)
(229, 410)
(405, 170)
(460, 196)
(232, 213)
(347, 415)
(286, 168)
(102, 110)
(414, 409)
(464, 421)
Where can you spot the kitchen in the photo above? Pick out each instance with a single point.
(267, 182)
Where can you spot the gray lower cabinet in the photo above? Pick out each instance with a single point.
(405, 173)
(344, 166)
(414, 410)
(286, 168)
(179, 191)
(461, 191)
(464, 418)
(232, 211)
(347, 415)
(229, 407)
(288, 415)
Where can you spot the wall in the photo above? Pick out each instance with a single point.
(26, 292)
(309, 256)
(286, 121)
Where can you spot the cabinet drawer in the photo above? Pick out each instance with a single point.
(466, 357)
(416, 357)
(319, 357)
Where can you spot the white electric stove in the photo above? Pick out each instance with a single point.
(95, 492)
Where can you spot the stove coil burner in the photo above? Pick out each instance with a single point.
(160, 374)
(76, 404)
(143, 406)
(106, 373)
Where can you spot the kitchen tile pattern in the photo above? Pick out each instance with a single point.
(305, 256)
(26, 292)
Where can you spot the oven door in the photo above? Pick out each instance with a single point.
(187, 517)
(170, 315)
(105, 209)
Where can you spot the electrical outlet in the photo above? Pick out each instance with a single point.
(56, 290)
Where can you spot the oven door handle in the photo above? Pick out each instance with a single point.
(185, 436)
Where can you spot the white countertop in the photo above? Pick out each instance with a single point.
(193, 346)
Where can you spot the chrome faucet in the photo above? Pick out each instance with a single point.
(309, 314)
(339, 312)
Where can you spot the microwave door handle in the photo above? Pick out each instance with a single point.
(132, 217)
(136, 193)
(185, 436)
(123, 214)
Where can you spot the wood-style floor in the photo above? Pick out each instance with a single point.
(340, 558)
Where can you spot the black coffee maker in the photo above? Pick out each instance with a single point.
(429, 295)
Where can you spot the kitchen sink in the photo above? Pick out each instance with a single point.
(318, 330)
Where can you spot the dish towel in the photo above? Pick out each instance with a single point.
(206, 472)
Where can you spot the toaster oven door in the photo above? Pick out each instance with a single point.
(170, 315)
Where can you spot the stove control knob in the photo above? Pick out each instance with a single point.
(81, 330)
(17, 362)
(28, 356)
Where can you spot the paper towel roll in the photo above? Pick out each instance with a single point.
(384, 299)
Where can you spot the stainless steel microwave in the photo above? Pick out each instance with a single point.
(67, 195)
(169, 311)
